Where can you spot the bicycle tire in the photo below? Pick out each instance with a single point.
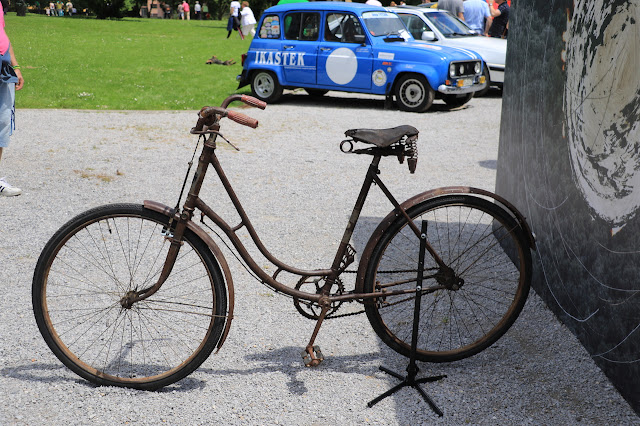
(91, 263)
(472, 236)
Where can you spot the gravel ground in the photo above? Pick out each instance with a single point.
(298, 188)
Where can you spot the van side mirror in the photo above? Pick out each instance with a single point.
(428, 36)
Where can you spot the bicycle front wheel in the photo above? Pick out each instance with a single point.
(467, 305)
(87, 268)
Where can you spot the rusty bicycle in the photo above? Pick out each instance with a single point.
(139, 295)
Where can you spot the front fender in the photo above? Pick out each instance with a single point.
(434, 193)
(217, 253)
(430, 73)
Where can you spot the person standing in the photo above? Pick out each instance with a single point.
(10, 81)
(500, 25)
(247, 20)
(187, 10)
(197, 9)
(455, 7)
(180, 11)
(478, 16)
(234, 21)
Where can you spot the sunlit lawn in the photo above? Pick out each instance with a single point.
(142, 64)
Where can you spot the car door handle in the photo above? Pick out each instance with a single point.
(325, 49)
(288, 47)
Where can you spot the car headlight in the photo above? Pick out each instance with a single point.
(461, 69)
(452, 70)
(477, 68)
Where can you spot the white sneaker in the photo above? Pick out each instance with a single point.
(7, 190)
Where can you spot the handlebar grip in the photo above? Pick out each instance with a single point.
(250, 100)
(240, 118)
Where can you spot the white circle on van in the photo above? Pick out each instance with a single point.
(342, 65)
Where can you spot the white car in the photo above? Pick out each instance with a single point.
(440, 27)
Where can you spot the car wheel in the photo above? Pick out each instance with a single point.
(316, 92)
(484, 91)
(265, 86)
(413, 93)
(454, 101)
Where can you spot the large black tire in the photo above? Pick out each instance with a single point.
(413, 93)
(89, 265)
(465, 309)
(266, 87)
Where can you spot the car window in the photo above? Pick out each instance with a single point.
(384, 24)
(448, 25)
(270, 27)
(343, 27)
(414, 24)
(302, 26)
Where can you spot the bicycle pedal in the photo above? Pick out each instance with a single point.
(313, 358)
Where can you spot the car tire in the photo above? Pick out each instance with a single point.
(413, 93)
(484, 91)
(266, 87)
(316, 93)
(455, 101)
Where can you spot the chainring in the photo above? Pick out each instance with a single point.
(310, 309)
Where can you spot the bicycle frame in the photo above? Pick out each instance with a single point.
(342, 258)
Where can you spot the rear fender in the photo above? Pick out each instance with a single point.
(217, 253)
(434, 193)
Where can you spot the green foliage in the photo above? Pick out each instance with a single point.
(107, 8)
(129, 64)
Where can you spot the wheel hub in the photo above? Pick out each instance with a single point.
(448, 278)
(127, 300)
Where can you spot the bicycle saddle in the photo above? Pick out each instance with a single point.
(381, 138)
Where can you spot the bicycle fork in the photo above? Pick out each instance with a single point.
(175, 236)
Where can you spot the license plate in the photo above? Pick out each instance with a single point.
(467, 82)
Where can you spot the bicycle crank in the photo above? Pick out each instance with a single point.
(312, 310)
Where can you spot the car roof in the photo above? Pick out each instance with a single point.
(416, 9)
(325, 5)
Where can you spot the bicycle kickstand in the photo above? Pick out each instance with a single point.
(311, 355)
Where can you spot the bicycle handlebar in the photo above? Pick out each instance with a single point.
(240, 118)
(207, 115)
(249, 100)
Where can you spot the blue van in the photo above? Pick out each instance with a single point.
(354, 47)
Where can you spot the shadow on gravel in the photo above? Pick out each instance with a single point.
(489, 164)
(37, 372)
(286, 361)
(303, 100)
(58, 373)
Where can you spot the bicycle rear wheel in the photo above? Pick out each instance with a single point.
(464, 309)
(87, 268)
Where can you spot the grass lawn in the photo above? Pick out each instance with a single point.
(137, 64)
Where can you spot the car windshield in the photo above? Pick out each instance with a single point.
(385, 24)
(448, 25)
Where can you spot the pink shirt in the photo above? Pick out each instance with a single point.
(186, 7)
(4, 39)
